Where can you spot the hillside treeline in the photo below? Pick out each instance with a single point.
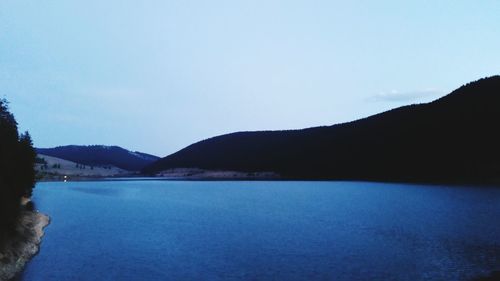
(453, 139)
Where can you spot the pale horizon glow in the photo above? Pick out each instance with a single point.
(155, 76)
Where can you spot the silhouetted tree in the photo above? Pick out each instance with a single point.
(17, 173)
(27, 158)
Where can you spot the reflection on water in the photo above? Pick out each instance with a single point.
(174, 230)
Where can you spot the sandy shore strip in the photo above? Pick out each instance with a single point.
(20, 250)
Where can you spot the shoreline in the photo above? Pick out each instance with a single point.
(491, 184)
(24, 247)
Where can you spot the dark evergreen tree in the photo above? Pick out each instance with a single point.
(27, 158)
(17, 174)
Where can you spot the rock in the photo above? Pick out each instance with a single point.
(21, 249)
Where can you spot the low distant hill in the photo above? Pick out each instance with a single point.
(100, 155)
(53, 168)
(452, 139)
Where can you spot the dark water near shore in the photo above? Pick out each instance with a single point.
(175, 230)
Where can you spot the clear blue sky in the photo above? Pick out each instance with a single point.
(156, 76)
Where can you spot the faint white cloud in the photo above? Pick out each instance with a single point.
(410, 96)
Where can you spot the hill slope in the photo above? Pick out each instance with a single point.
(53, 168)
(452, 139)
(100, 155)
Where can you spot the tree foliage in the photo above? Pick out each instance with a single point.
(17, 174)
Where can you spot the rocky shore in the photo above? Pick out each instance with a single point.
(20, 250)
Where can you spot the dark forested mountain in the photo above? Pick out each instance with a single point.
(453, 139)
(100, 155)
(17, 174)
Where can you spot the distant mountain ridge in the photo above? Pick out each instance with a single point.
(101, 155)
(452, 139)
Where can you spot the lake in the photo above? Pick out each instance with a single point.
(278, 230)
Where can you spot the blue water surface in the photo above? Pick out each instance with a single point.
(210, 230)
